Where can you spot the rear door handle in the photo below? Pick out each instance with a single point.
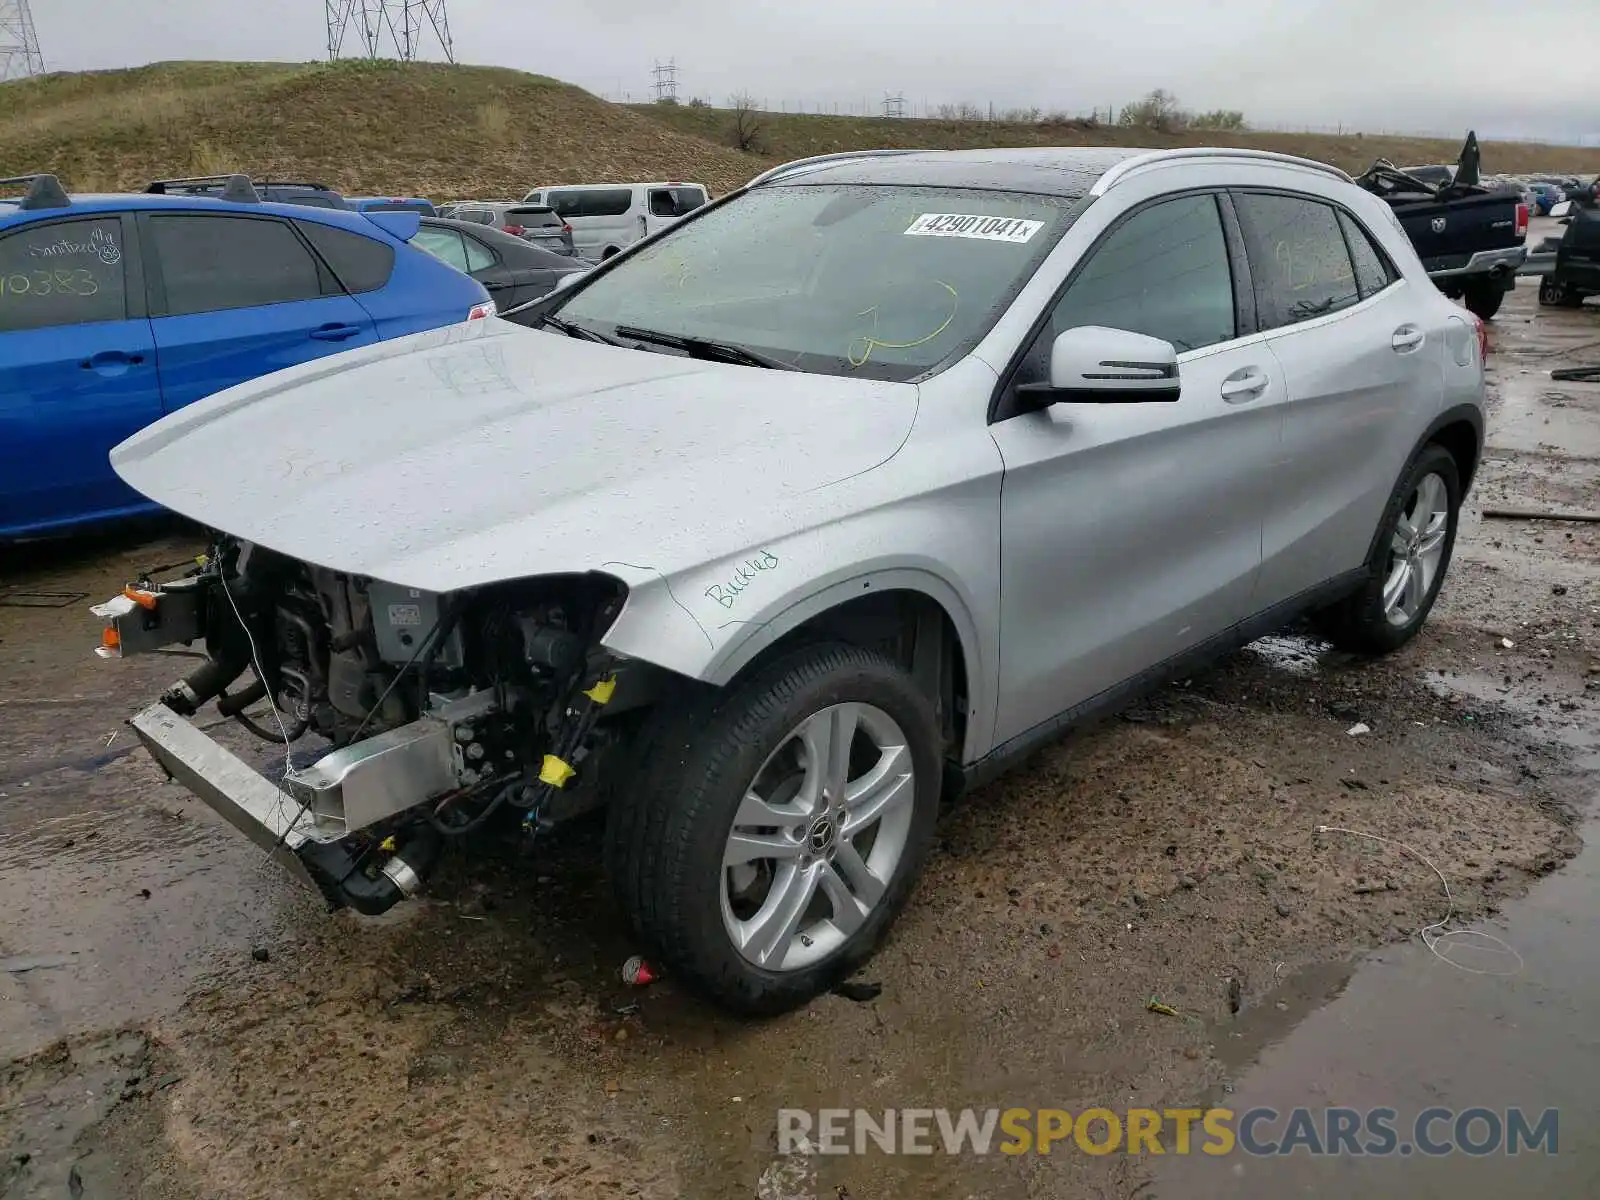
(1408, 338)
(1244, 385)
(336, 332)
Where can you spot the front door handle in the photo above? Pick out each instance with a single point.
(1408, 338)
(336, 332)
(111, 362)
(1245, 384)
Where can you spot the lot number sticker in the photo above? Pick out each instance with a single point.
(971, 225)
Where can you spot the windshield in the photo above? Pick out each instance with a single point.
(885, 282)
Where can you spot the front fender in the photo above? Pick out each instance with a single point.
(710, 622)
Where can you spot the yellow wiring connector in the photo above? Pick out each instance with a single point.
(601, 692)
(555, 771)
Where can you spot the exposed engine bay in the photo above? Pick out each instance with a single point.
(440, 715)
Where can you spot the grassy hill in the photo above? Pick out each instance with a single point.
(380, 127)
(449, 131)
(784, 136)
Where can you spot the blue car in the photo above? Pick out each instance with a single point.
(118, 309)
(1545, 197)
(415, 204)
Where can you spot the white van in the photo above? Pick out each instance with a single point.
(605, 217)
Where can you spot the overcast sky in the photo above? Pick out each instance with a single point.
(1502, 66)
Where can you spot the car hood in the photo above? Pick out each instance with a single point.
(486, 451)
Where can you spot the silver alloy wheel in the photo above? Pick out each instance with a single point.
(818, 837)
(1415, 550)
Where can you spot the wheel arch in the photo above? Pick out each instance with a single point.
(910, 612)
(1459, 430)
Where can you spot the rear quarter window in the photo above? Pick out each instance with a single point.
(62, 273)
(361, 264)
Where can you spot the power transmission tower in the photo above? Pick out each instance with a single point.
(666, 84)
(19, 42)
(894, 106)
(405, 26)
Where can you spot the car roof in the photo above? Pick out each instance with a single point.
(1069, 172)
(85, 203)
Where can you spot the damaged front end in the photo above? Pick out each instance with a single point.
(441, 715)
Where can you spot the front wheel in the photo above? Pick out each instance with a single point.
(1483, 300)
(777, 829)
(1558, 295)
(1408, 565)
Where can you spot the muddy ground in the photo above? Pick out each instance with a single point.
(182, 1022)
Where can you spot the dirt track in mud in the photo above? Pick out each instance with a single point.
(479, 1044)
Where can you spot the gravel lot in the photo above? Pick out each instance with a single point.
(192, 1025)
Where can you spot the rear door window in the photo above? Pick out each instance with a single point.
(444, 244)
(479, 256)
(212, 263)
(62, 273)
(1374, 272)
(663, 203)
(1298, 258)
(362, 264)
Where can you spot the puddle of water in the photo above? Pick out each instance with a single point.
(1538, 415)
(1407, 1031)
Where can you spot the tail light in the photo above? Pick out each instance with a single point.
(479, 312)
(1522, 220)
(565, 228)
(1483, 340)
(513, 230)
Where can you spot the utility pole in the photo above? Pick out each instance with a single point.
(666, 81)
(19, 42)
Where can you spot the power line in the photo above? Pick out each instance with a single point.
(405, 27)
(20, 57)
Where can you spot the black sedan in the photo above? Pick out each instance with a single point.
(513, 271)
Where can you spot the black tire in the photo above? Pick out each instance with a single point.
(666, 835)
(607, 253)
(1558, 295)
(1483, 300)
(1358, 623)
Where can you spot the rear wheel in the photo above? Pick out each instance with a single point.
(1483, 300)
(777, 829)
(1408, 564)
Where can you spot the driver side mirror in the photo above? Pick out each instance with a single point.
(1096, 365)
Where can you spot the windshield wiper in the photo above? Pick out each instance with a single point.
(579, 331)
(704, 348)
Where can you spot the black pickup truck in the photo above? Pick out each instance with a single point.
(1471, 238)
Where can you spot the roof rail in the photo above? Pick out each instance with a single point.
(1139, 162)
(817, 160)
(236, 188)
(44, 191)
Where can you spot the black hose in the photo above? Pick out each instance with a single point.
(479, 821)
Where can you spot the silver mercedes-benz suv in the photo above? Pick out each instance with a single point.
(844, 492)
